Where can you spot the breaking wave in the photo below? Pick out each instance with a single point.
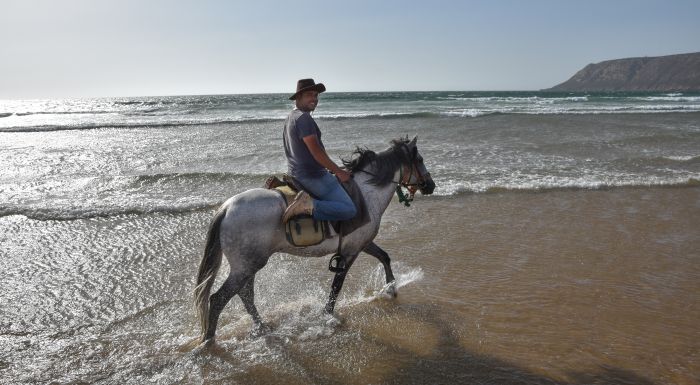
(67, 214)
(452, 188)
(116, 124)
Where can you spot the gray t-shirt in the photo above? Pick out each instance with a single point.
(300, 162)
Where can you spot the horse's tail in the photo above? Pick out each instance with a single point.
(208, 267)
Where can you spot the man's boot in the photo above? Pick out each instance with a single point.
(302, 204)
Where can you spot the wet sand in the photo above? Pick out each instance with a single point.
(568, 286)
(574, 286)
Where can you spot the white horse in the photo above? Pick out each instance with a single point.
(247, 229)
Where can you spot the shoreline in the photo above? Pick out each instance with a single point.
(210, 207)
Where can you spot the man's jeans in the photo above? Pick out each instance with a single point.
(331, 202)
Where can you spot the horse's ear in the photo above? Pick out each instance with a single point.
(414, 140)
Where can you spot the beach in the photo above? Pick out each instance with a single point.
(560, 246)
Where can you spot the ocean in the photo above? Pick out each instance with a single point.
(560, 245)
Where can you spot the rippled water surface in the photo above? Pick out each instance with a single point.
(560, 246)
(569, 287)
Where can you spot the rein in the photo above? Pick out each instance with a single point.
(399, 191)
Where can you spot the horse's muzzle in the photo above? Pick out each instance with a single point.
(427, 187)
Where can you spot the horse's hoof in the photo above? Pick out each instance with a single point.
(333, 321)
(389, 290)
(260, 330)
(205, 344)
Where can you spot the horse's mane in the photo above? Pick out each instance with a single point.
(384, 164)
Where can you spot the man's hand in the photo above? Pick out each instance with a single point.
(343, 175)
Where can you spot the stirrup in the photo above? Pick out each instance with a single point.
(339, 265)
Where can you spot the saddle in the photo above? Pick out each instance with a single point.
(302, 230)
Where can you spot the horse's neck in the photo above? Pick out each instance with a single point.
(377, 198)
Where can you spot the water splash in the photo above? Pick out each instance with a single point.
(375, 287)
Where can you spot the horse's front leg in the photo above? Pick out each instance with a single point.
(338, 283)
(383, 257)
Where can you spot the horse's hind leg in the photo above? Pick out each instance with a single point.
(383, 257)
(247, 295)
(233, 284)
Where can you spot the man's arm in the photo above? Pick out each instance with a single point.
(323, 159)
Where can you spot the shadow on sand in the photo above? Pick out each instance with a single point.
(447, 363)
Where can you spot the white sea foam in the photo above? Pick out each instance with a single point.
(366, 114)
(671, 98)
(96, 211)
(469, 112)
(577, 98)
(540, 183)
(682, 158)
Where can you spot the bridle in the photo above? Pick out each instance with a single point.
(406, 173)
(405, 179)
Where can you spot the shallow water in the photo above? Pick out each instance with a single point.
(564, 286)
(560, 246)
(106, 157)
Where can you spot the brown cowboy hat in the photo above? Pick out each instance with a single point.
(307, 85)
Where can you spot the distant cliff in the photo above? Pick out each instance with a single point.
(662, 73)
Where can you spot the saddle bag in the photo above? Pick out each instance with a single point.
(303, 230)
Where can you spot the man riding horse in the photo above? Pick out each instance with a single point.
(310, 165)
(247, 230)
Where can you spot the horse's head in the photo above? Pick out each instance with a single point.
(403, 154)
(415, 176)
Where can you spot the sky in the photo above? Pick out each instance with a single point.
(93, 48)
